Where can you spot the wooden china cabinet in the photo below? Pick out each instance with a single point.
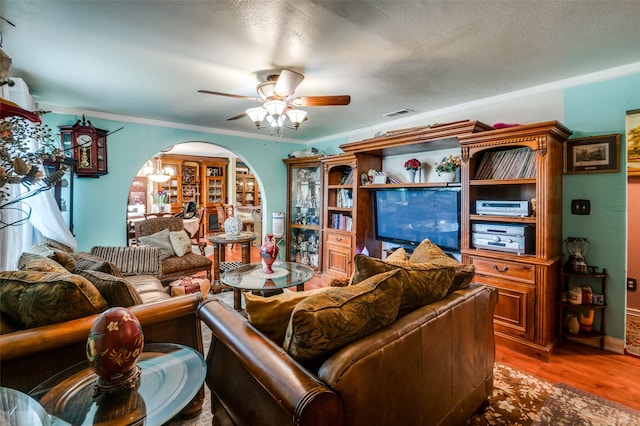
(304, 211)
(524, 318)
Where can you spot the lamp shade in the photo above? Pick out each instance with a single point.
(275, 107)
(296, 116)
(256, 115)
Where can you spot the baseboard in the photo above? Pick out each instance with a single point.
(611, 344)
(634, 312)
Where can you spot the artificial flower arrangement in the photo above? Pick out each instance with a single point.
(412, 164)
(161, 197)
(448, 164)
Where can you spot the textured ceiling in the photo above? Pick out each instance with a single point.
(148, 58)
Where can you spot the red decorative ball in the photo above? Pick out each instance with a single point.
(115, 342)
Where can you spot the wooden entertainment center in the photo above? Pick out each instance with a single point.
(527, 282)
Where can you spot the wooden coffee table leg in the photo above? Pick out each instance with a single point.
(300, 287)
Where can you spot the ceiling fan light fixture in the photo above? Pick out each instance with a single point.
(257, 115)
(275, 107)
(276, 122)
(296, 116)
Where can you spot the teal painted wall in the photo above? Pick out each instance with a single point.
(100, 205)
(599, 109)
(590, 109)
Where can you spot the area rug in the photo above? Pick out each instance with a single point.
(570, 406)
(632, 343)
(516, 400)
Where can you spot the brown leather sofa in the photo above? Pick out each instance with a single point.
(29, 357)
(433, 366)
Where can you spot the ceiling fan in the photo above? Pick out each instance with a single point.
(276, 95)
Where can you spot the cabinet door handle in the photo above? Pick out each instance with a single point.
(505, 269)
(338, 238)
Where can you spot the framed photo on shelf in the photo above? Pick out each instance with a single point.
(595, 154)
(633, 142)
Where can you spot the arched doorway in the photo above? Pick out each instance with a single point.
(200, 173)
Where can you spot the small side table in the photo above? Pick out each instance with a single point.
(219, 241)
(171, 376)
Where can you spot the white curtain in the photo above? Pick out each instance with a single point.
(46, 219)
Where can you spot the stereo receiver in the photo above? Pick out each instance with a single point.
(512, 238)
(502, 208)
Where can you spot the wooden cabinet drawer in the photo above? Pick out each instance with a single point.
(339, 239)
(505, 269)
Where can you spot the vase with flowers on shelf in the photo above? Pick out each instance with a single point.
(449, 168)
(412, 166)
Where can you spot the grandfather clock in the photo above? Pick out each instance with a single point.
(89, 148)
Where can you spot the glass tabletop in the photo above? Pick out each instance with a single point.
(171, 377)
(253, 277)
(17, 408)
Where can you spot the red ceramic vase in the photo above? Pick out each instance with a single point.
(269, 253)
(115, 342)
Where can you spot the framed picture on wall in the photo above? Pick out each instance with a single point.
(633, 142)
(595, 154)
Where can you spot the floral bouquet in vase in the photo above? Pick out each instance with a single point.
(160, 198)
(448, 165)
(412, 167)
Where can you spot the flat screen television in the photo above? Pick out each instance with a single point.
(406, 216)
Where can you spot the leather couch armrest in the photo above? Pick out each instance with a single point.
(298, 391)
(27, 357)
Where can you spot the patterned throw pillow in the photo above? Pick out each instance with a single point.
(323, 323)
(398, 255)
(422, 283)
(115, 290)
(132, 260)
(60, 256)
(89, 262)
(180, 242)
(428, 252)
(34, 298)
(53, 244)
(35, 262)
(271, 315)
(161, 240)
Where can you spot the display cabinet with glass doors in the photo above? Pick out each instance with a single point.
(304, 211)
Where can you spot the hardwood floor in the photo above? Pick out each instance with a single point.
(609, 375)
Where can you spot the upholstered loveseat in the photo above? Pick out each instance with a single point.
(49, 304)
(422, 351)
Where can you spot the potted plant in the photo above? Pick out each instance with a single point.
(412, 167)
(448, 167)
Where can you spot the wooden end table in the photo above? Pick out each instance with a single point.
(219, 241)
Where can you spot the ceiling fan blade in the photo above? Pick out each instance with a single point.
(237, 117)
(230, 95)
(287, 83)
(321, 100)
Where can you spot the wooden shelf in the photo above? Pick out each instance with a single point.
(513, 219)
(474, 182)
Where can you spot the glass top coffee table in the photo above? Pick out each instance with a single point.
(171, 377)
(252, 277)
